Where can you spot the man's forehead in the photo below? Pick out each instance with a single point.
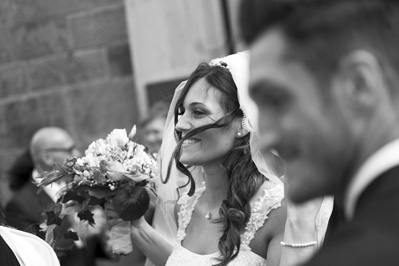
(267, 57)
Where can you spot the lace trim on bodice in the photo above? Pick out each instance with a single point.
(187, 205)
(269, 200)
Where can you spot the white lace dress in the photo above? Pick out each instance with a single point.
(268, 200)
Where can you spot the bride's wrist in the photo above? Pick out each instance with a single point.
(138, 224)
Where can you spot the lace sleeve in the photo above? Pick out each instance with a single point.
(270, 200)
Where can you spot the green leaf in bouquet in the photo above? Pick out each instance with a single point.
(49, 237)
(71, 235)
(70, 208)
(95, 201)
(137, 177)
(104, 166)
(98, 176)
(60, 243)
(52, 218)
(115, 176)
(86, 215)
(52, 177)
(73, 195)
(101, 191)
(57, 208)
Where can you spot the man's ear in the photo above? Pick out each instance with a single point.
(361, 81)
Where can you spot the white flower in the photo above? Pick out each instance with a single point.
(79, 162)
(96, 147)
(132, 132)
(118, 137)
(116, 171)
(94, 161)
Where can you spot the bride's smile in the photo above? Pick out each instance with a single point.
(190, 141)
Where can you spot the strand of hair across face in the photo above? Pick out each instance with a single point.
(224, 121)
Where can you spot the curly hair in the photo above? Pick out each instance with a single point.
(235, 209)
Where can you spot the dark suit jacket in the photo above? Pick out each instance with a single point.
(24, 212)
(372, 236)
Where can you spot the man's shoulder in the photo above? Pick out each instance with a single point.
(27, 197)
(380, 194)
(359, 244)
(371, 237)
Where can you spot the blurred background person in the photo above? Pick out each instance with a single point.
(20, 171)
(152, 127)
(49, 147)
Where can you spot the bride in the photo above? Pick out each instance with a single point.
(237, 217)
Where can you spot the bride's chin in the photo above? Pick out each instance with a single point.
(186, 160)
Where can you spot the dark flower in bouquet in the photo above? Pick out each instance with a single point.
(115, 170)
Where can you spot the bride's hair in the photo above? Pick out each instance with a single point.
(245, 179)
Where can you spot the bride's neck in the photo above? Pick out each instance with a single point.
(216, 183)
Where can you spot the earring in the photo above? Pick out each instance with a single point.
(239, 134)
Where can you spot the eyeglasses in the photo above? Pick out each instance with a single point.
(68, 150)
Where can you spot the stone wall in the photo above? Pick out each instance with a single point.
(64, 63)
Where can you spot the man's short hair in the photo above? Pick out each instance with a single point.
(321, 32)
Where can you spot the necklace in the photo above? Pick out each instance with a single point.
(208, 215)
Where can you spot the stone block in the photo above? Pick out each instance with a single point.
(119, 60)
(102, 107)
(22, 118)
(8, 11)
(94, 29)
(36, 39)
(42, 9)
(12, 81)
(67, 69)
(19, 123)
(7, 49)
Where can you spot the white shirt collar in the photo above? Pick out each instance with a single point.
(28, 248)
(381, 161)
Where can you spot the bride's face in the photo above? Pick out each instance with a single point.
(201, 106)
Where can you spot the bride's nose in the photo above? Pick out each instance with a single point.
(183, 124)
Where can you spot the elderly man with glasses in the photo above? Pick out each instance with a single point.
(49, 146)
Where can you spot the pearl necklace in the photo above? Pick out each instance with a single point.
(208, 215)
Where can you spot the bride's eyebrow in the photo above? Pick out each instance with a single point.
(198, 105)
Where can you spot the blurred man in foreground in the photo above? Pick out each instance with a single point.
(324, 74)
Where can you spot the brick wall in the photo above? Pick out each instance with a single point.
(64, 63)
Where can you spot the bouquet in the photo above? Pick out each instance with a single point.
(115, 170)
